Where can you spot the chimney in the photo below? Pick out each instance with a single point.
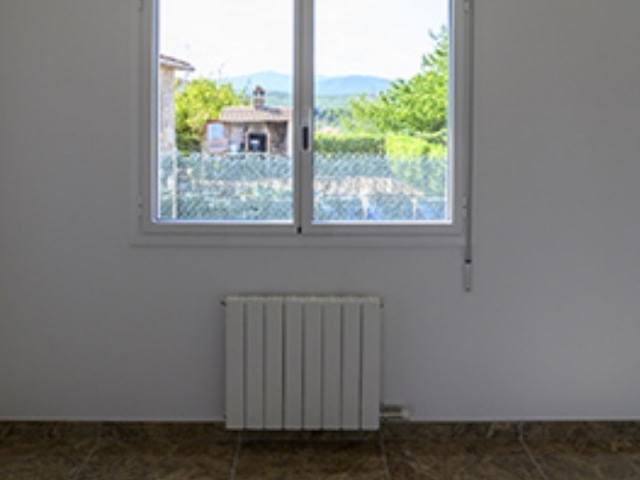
(258, 97)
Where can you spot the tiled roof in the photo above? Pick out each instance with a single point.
(175, 63)
(254, 115)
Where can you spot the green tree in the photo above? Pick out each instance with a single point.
(417, 106)
(198, 101)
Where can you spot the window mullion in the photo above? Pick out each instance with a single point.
(304, 113)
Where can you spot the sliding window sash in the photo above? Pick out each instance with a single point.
(459, 148)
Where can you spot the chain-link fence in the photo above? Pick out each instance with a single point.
(259, 187)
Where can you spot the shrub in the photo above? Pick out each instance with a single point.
(418, 162)
(405, 146)
(353, 143)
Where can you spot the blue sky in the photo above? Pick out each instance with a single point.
(224, 38)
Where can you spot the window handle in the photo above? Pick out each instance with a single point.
(305, 138)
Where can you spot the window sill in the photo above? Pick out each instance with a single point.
(304, 240)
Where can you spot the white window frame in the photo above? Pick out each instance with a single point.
(303, 231)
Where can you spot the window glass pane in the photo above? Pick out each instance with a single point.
(225, 110)
(381, 108)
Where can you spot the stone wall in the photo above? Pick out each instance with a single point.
(276, 132)
(278, 136)
(167, 133)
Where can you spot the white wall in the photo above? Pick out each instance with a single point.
(91, 327)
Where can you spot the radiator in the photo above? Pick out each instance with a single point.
(303, 362)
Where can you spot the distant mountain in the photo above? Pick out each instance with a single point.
(322, 102)
(270, 81)
(325, 86)
(352, 85)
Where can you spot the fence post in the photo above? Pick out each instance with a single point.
(174, 189)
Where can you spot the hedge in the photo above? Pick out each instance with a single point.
(362, 143)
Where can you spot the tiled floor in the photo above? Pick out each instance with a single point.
(554, 451)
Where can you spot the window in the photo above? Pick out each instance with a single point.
(305, 116)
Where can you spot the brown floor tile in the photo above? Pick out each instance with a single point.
(583, 447)
(70, 447)
(38, 467)
(634, 461)
(120, 447)
(10, 431)
(214, 431)
(137, 431)
(185, 460)
(443, 432)
(160, 440)
(572, 431)
(34, 457)
(585, 460)
(309, 435)
(459, 460)
(56, 439)
(322, 460)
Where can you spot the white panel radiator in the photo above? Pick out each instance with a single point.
(303, 362)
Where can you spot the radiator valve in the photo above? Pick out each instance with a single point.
(394, 413)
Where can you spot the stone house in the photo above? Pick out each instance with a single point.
(167, 81)
(257, 128)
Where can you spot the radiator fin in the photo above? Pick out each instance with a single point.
(235, 365)
(312, 367)
(254, 370)
(351, 367)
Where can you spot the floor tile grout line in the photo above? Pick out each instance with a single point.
(84, 463)
(530, 453)
(383, 452)
(236, 457)
(631, 463)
